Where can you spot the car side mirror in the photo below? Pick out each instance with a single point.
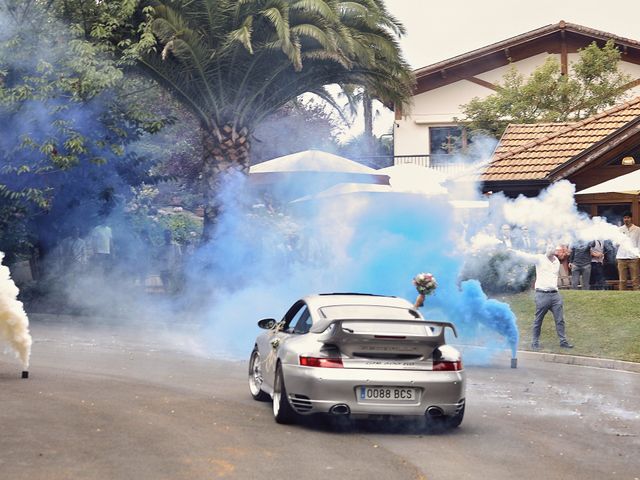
(267, 323)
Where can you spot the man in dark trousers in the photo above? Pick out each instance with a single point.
(547, 295)
(580, 264)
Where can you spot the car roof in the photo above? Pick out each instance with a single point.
(337, 299)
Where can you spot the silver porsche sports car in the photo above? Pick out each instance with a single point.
(359, 355)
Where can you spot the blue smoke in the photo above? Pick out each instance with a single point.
(260, 262)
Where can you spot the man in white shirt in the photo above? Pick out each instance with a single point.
(547, 295)
(628, 255)
(102, 245)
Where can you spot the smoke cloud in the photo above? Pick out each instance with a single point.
(262, 260)
(269, 251)
(14, 324)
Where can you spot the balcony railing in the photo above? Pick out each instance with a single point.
(448, 164)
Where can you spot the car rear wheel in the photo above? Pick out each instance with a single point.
(446, 422)
(282, 410)
(256, 378)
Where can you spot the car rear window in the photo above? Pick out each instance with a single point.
(362, 312)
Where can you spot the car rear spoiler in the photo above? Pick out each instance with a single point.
(338, 330)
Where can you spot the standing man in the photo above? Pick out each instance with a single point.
(171, 263)
(597, 265)
(628, 256)
(102, 243)
(580, 264)
(505, 236)
(77, 251)
(524, 240)
(547, 296)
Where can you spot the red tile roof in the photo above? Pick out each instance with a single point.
(518, 135)
(532, 152)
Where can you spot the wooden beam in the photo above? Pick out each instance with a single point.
(398, 112)
(631, 84)
(483, 83)
(564, 57)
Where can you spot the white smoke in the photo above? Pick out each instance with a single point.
(14, 324)
(553, 216)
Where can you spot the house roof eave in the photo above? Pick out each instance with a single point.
(523, 38)
(588, 155)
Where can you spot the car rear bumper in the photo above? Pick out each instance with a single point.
(317, 390)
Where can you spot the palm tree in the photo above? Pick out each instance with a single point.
(234, 62)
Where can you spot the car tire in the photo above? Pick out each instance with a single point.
(282, 410)
(256, 378)
(455, 420)
(448, 422)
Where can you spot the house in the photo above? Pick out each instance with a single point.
(529, 158)
(428, 132)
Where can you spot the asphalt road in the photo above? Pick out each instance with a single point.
(107, 402)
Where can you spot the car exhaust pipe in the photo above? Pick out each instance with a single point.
(340, 409)
(434, 412)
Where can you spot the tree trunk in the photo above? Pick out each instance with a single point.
(224, 150)
(367, 106)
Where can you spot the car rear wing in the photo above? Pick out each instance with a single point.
(338, 332)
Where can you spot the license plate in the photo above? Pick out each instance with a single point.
(387, 394)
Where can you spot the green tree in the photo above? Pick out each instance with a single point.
(362, 96)
(308, 125)
(594, 82)
(234, 63)
(66, 109)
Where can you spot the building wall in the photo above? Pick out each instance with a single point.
(525, 67)
(441, 106)
(435, 108)
(633, 71)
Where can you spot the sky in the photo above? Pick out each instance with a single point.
(440, 30)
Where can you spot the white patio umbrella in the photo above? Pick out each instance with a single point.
(345, 189)
(628, 183)
(370, 189)
(315, 163)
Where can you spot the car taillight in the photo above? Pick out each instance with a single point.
(321, 362)
(445, 366)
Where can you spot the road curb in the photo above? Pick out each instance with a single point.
(582, 361)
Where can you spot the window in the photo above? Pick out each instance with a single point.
(585, 208)
(613, 213)
(301, 322)
(446, 141)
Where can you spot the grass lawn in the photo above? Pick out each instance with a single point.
(599, 323)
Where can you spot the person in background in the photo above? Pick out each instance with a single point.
(580, 265)
(547, 296)
(77, 251)
(628, 256)
(505, 236)
(524, 241)
(597, 265)
(142, 247)
(564, 278)
(102, 247)
(170, 263)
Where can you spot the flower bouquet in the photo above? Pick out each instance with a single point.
(425, 284)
